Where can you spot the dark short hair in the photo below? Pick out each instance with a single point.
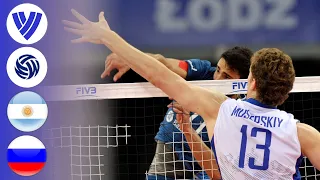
(274, 74)
(238, 59)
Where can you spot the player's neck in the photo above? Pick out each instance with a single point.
(252, 95)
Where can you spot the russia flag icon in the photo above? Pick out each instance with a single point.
(26, 155)
(27, 111)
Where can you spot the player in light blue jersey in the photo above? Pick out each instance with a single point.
(252, 139)
(173, 158)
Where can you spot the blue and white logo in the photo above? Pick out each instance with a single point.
(27, 67)
(27, 23)
(27, 27)
(27, 111)
(240, 86)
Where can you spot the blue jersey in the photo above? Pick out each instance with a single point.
(169, 131)
(199, 70)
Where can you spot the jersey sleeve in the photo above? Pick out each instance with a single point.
(199, 70)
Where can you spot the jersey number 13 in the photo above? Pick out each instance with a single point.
(265, 147)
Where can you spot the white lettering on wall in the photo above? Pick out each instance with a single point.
(225, 14)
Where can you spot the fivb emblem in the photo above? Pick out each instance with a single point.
(27, 27)
(86, 91)
(27, 23)
(239, 86)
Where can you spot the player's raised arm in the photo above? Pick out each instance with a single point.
(309, 139)
(202, 101)
(196, 99)
(113, 61)
(177, 66)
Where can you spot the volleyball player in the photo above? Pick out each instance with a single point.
(253, 139)
(173, 157)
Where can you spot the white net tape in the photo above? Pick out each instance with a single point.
(147, 90)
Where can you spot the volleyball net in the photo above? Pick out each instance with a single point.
(112, 136)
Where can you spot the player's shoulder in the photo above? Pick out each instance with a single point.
(196, 60)
(199, 69)
(199, 62)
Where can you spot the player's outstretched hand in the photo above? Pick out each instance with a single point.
(182, 116)
(89, 31)
(112, 62)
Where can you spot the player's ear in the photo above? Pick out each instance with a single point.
(253, 84)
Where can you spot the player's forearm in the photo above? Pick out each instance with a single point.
(202, 153)
(170, 63)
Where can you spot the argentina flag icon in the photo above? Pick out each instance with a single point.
(27, 111)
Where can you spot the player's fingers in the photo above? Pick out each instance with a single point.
(109, 68)
(186, 117)
(72, 24)
(103, 19)
(101, 16)
(118, 75)
(79, 16)
(107, 64)
(176, 105)
(80, 40)
(185, 111)
(104, 74)
(108, 61)
(74, 31)
(177, 111)
(180, 108)
(179, 118)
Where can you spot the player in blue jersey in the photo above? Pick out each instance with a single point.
(173, 158)
(252, 139)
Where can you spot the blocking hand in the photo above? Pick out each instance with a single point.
(112, 62)
(89, 31)
(182, 116)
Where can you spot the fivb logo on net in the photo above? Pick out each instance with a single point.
(27, 23)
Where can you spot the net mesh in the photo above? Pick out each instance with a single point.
(306, 108)
(125, 148)
(86, 150)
